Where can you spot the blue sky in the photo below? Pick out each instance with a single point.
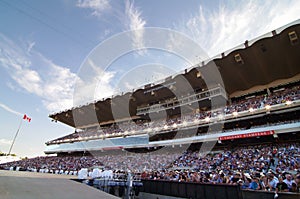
(43, 44)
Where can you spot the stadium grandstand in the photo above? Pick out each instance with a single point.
(255, 132)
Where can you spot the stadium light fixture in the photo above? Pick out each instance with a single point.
(235, 113)
(220, 116)
(238, 58)
(293, 37)
(288, 102)
(207, 119)
(268, 107)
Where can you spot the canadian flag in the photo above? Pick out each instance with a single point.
(25, 117)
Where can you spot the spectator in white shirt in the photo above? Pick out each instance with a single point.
(289, 181)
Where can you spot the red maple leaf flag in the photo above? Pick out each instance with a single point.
(25, 117)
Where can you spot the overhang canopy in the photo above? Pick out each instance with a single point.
(265, 61)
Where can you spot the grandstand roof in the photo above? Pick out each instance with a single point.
(265, 61)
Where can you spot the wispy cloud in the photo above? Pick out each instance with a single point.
(10, 110)
(58, 86)
(225, 26)
(93, 85)
(52, 83)
(5, 142)
(96, 6)
(30, 46)
(133, 21)
(100, 83)
(130, 18)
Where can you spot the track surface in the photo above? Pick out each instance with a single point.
(27, 185)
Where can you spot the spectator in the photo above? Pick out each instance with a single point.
(281, 186)
(254, 185)
(294, 188)
(289, 181)
(272, 181)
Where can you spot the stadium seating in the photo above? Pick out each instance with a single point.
(284, 97)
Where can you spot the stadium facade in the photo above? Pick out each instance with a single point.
(260, 88)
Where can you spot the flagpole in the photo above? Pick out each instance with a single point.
(12, 144)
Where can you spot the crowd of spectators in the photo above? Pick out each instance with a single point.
(260, 167)
(53, 164)
(287, 95)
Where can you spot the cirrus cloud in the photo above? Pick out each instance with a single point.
(222, 27)
(134, 22)
(97, 6)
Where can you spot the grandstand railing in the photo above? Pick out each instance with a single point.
(214, 92)
(191, 190)
(213, 136)
(202, 190)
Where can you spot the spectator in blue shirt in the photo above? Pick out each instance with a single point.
(254, 185)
